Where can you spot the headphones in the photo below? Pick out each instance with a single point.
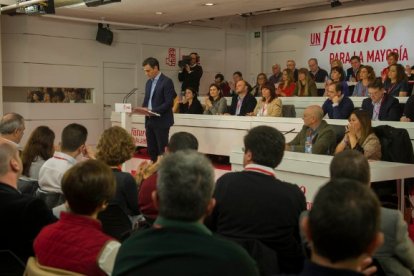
(197, 56)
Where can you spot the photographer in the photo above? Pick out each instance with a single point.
(191, 72)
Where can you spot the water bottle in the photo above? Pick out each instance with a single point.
(308, 144)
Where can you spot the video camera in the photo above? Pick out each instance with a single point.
(185, 60)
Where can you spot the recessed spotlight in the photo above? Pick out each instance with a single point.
(209, 4)
(159, 13)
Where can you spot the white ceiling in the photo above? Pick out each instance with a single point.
(175, 11)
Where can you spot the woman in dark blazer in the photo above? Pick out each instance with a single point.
(190, 104)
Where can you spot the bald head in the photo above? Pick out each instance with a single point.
(312, 116)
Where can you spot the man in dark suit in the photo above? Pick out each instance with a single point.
(22, 216)
(253, 205)
(159, 97)
(242, 102)
(353, 71)
(380, 106)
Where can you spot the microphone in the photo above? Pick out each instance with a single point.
(129, 95)
(289, 131)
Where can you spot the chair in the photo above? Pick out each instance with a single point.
(339, 132)
(33, 268)
(265, 257)
(10, 264)
(115, 222)
(51, 199)
(288, 110)
(27, 186)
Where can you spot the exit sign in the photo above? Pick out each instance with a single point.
(256, 34)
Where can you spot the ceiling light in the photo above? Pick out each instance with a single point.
(209, 4)
(159, 13)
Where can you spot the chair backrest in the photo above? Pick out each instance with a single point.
(115, 222)
(10, 264)
(288, 110)
(27, 186)
(51, 199)
(395, 144)
(265, 257)
(339, 132)
(33, 268)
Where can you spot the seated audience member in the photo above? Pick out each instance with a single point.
(50, 175)
(338, 63)
(291, 65)
(273, 206)
(190, 103)
(408, 115)
(215, 103)
(360, 136)
(396, 255)
(337, 106)
(396, 83)
(380, 106)
(179, 243)
(316, 135)
(76, 242)
(392, 58)
(276, 75)
(237, 76)
(37, 97)
(305, 86)
(22, 216)
(261, 79)
(58, 96)
(287, 84)
(352, 73)
(366, 76)
(337, 76)
(115, 147)
(343, 228)
(270, 105)
(12, 128)
(179, 141)
(38, 149)
(318, 74)
(223, 85)
(242, 102)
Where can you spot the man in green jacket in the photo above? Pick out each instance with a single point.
(178, 243)
(316, 135)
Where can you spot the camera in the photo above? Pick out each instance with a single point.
(185, 60)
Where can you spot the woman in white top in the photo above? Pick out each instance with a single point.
(38, 149)
(215, 103)
(270, 105)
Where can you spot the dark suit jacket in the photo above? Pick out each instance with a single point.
(248, 104)
(22, 217)
(162, 102)
(194, 108)
(389, 110)
(256, 206)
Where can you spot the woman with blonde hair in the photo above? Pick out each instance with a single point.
(305, 86)
(115, 147)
